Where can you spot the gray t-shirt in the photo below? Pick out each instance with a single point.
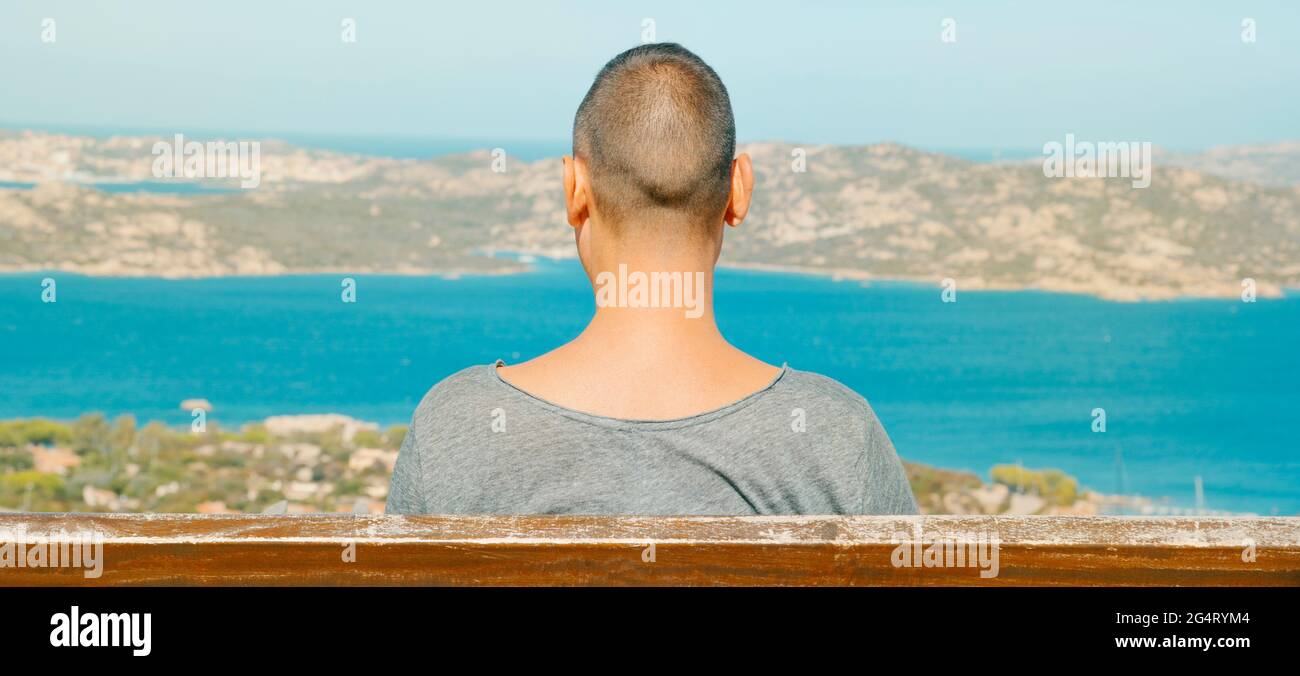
(804, 444)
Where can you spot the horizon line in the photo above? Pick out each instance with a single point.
(101, 131)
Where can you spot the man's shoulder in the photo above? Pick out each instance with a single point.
(478, 389)
(823, 391)
(457, 392)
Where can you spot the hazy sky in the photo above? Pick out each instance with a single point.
(1019, 74)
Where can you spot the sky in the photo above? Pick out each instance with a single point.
(1019, 74)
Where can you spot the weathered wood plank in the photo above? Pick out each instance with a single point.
(180, 549)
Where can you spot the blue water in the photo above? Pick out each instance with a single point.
(424, 147)
(1194, 387)
(401, 146)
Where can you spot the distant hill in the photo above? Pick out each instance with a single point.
(873, 212)
(1276, 164)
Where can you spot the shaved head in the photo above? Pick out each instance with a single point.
(657, 134)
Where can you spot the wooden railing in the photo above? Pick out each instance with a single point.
(179, 549)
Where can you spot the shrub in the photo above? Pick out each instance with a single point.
(16, 433)
(1053, 485)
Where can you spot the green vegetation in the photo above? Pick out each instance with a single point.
(33, 431)
(926, 480)
(1053, 485)
(94, 464)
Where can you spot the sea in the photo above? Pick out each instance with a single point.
(414, 146)
(1142, 398)
(1188, 388)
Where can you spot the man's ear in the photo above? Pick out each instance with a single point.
(742, 189)
(577, 191)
